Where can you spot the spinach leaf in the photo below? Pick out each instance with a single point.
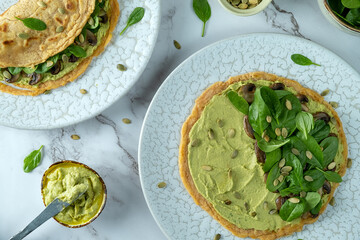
(316, 209)
(258, 111)
(282, 93)
(317, 158)
(296, 143)
(353, 16)
(203, 11)
(290, 211)
(351, 3)
(330, 147)
(304, 122)
(77, 51)
(312, 199)
(271, 159)
(292, 189)
(32, 160)
(135, 17)
(274, 174)
(302, 60)
(271, 100)
(271, 145)
(320, 131)
(43, 68)
(33, 23)
(332, 176)
(318, 178)
(296, 174)
(29, 70)
(239, 102)
(336, 6)
(15, 70)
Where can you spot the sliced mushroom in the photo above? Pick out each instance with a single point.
(248, 92)
(302, 98)
(91, 38)
(35, 78)
(322, 116)
(13, 78)
(280, 201)
(73, 58)
(332, 135)
(248, 129)
(56, 68)
(277, 86)
(266, 176)
(104, 19)
(260, 155)
(326, 187)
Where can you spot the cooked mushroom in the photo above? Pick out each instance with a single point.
(266, 176)
(277, 86)
(91, 38)
(280, 201)
(56, 68)
(104, 18)
(13, 78)
(35, 78)
(248, 129)
(302, 98)
(248, 92)
(321, 116)
(326, 187)
(73, 58)
(260, 155)
(332, 135)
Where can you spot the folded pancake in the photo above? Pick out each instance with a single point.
(34, 61)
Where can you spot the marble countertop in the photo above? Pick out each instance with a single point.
(110, 146)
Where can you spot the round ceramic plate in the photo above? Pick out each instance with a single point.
(104, 83)
(172, 207)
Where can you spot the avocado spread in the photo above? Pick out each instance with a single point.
(234, 182)
(66, 181)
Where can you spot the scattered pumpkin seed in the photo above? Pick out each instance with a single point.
(263, 134)
(288, 104)
(247, 207)
(334, 104)
(284, 132)
(272, 211)
(161, 184)
(277, 131)
(349, 163)
(268, 119)
(302, 194)
(304, 108)
(217, 236)
(332, 201)
(281, 178)
(59, 29)
(227, 202)
(177, 44)
(285, 174)
(195, 143)
(121, 67)
(49, 63)
(266, 205)
(253, 214)
(276, 182)
(294, 200)
(295, 151)
(206, 168)
(61, 10)
(308, 154)
(126, 120)
(253, 1)
(237, 195)
(231, 133)
(23, 36)
(81, 38)
(220, 123)
(267, 138)
(211, 134)
(308, 178)
(91, 21)
(41, 4)
(286, 169)
(234, 154)
(243, 6)
(235, 2)
(282, 163)
(75, 137)
(47, 92)
(325, 92)
(331, 165)
(65, 58)
(229, 173)
(83, 91)
(6, 74)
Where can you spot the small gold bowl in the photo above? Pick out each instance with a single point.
(70, 166)
(245, 12)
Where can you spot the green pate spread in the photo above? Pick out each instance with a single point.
(66, 183)
(240, 180)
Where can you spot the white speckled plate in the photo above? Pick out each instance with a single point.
(104, 83)
(172, 207)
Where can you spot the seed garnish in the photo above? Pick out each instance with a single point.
(349, 163)
(231, 133)
(268, 119)
(23, 36)
(237, 195)
(75, 137)
(302, 194)
(334, 104)
(272, 211)
(281, 178)
(286, 169)
(206, 168)
(49, 63)
(331, 165)
(65, 58)
(6, 74)
(59, 29)
(284, 132)
(83, 91)
(195, 143)
(126, 120)
(247, 207)
(161, 184)
(234, 154)
(41, 4)
(121, 67)
(332, 201)
(282, 163)
(81, 38)
(325, 92)
(266, 138)
(211, 134)
(277, 131)
(308, 178)
(177, 44)
(217, 236)
(288, 104)
(265, 205)
(61, 10)
(220, 123)
(295, 151)
(253, 214)
(294, 200)
(276, 182)
(308, 154)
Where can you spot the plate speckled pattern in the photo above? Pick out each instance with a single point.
(172, 207)
(104, 83)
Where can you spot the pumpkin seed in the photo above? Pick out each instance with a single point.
(334, 104)
(276, 182)
(285, 174)
(308, 178)
(282, 163)
(206, 168)
(265, 205)
(23, 36)
(121, 67)
(6, 74)
(217, 236)
(332, 201)
(234, 154)
(61, 10)
(308, 154)
(83, 91)
(81, 38)
(253, 214)
(272, 211)
(302, 194)
(252, 6)
(263, 134)
(161, 184)
(268, 119)
(195, 143)
(49, 63)
(65, 58)
(220, 123)
(284, 132)
(304, 108)
(91, 21)
(126, 120)
(243, 6)
(59, 29)
(244, 1)
(237, 195)
(325, 92)
(41, 4)
(227, 202)
(231, 133)
(266, 138)
(286, 169)
(331, 165)
(177, 44)
(281, 178)
(247, 207)
(211, 134)
(47, 92)
(229, 173)
(254, 2)
(294, 200)
(349, 163)
(295, 151)
(235, 2)
(75, 137)
(288, 104)
(277, 131)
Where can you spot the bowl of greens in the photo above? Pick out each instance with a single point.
(344, 14)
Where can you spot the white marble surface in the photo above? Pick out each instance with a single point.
(110, 147)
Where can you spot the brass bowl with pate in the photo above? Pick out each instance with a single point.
(61, 178)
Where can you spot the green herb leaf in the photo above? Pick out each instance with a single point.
(312, 199)
(33, 23)
(282, 93)
(318, 178)
(134, 18)
(296, 143)
(320, 131)
(304, 122)
(271, 145)
(353, 16)
(332, 176)
(32, 160)
(203, 11)
(271, 159)
(239, 102)
(292, 189)
(302, 60)
(336, 6)
(77, 51)
(296, 174)
(317, 159)
(258, 111)
(330, 146)
(29, 70)
(274, 174)
(290, 211)
(43, 67)
(316, 209)
(351, 3)
(271, 100)
(15, 70)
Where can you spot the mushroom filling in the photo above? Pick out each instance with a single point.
(64, 62)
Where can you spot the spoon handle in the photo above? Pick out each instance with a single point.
(51, 210)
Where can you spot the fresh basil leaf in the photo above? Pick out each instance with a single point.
(271, 145)
(239, 102)
(316, 209)
(351, 3)
(296, 174)
(304, 122)
(258, 111)
(77, 51)
(353, 16)
(134, 18)
(302, 60)
(271, 100)
(336, 6)
(332, 176)
(274, 174)
(318, 178)
(32, 160)
(33, 23)
(290, 211)
(312, 199)
(282, 93)
(330, 147)
(271, 159)
(290, 190)
(317, 159)
(320, 131)
(203, 11)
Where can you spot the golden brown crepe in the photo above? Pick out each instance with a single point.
(185, 174)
